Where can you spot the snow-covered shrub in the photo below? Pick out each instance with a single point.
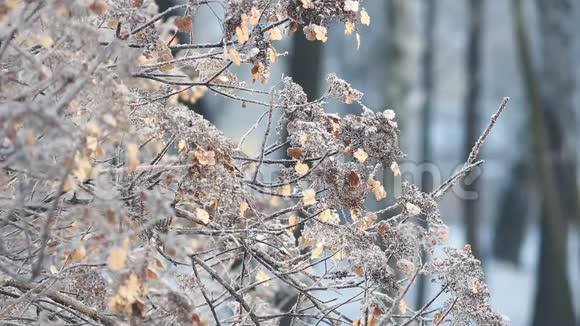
(121, 205)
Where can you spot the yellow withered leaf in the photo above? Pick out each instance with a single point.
(307, 4)
(315, 32)
(395, 168)
(262, 276)
(301, 168)
(181, 145)
(317, 251)
(83, 168)
(360, 155)
(117, 258)
(349, 27)
(276, 34)
(365, 19)
(292, 221)
(254, 16)
(403, 306)
(285, 190)
(78, 253)
(244, 207)
(205, 157)
(309, 197)
(235, 57)
(377, 189)
(132, 156)
(202, 215)
(272, 55)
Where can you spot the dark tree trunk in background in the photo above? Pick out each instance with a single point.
(397, 72)
(471, 211)
(558, 75)
(559, 83)
(553, 304)
(427, 82)
(306, 64)
(513, 211)
(305, 68)
(398, 83)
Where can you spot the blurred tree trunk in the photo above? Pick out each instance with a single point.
(553, 304)
(427, 82)
(558, 76)
(305, 68)
(397, 72)
(558, 87)
(513, 210)
(471, 211)
(398, 76)
(306, 64)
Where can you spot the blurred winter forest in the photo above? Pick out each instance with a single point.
(443, 65)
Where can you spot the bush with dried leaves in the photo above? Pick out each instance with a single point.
(121, 205)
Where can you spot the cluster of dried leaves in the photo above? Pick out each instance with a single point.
(119, 204)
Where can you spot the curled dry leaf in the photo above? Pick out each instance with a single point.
(353, 179)
(79, 253)
(292, 222)
(117, 258)
(317, 251)
(184, 23)
(307, 4)
(377, 189)
(295, 152)
(110, 120)
(358, 270)
(309, 197)
(242, 30)
(301, 168)
(132, 156)
(329, 216)
(360, 155)
(285, 190)
(202, 215)
(99, 7)
(83, 168)
(254, 16)
(315, 32)
(395, 168)
(205, 157)
(406, 267)
(272, 55)
(365, 19)
(275, 34)
(244, 207)
(262, 276)
(349, 27)
(235, 56)
(181, 145)
(402, 306)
